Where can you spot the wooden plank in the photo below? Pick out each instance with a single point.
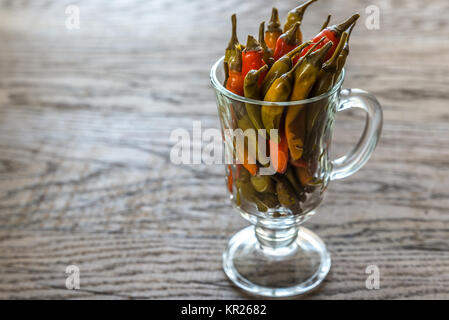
(85, 176)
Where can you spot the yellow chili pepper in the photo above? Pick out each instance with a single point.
(252, 91)
(296, 15)
(326, 22)
(326, 76)
(279, 91)
(344, 54)
(247, 154)
(281, 66)
(267, 52)
(305, 77)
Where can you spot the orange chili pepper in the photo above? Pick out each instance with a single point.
(230, 178)
(303, 175)
(273, 30)
(279, 153)
(235, 80)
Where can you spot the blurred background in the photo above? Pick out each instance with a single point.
(86, 112)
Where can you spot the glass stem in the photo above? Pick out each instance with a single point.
(276, 241)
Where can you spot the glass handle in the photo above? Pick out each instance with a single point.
(355, 159)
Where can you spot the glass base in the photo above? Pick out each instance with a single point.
(276, 272)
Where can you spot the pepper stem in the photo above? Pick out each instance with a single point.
(346, 24)
(333, 60)
(298, 49)
(299, 10)
(274, 23)
(346, 47)
(316, 58)
(262, 33)
(261, 69)
(290, 34)
(292, 71)
(326, 22)
(252, 44)
(233, 41)
(235, 61)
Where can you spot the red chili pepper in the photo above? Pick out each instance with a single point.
(286, 42)
(279, 153)
(235, 80)
(300, 163)
(230, 180)
(332, 33)
(252, 58)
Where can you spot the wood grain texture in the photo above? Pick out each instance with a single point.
(85, 177)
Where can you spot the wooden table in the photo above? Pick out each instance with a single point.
(85, 177)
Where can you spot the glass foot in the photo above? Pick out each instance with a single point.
(280, 272)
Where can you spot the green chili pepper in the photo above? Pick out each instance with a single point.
(326, 22)
(279, 91)
(247, 191)
(326, 76)
(291, 177)
(285, 193)
(232, 44)
(296, 15)
(267, 52)
(305, 76)
(262, 183)
(344, 54)
(281, 66)
(252, 91)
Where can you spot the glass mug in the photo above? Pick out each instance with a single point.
(275, 256)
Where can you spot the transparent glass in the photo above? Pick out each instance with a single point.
(275, 256)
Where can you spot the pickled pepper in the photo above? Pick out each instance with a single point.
(279, 91)
(306, 179)
(274, 30)
(326, 22)
(344, 54)
(286, 42)
(305, 77)
(281, 66)
(332, 34)
(232, 44)
(263, 184)
(245, 188)
(267, 52)
(291, 177)
(252, 57)
(229, 178)
(277, 68)
(295, 16)
(235, 80)
(286, 195)
(326, 76)
(251, 90)
(279, 153)
(247, 154)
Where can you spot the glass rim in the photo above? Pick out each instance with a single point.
(218, 86)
